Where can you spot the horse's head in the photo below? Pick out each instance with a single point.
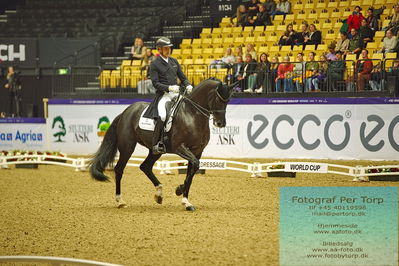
(210, 97)
(218, 102)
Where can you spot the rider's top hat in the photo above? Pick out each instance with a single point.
(163, 42)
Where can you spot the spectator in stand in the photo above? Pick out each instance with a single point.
(376, 79)
(226, 61)
(389, 43)
(314, 36)
(145, 86)
(300, 36)
(372, 21)
(354, 43)
(138, 49)
(262, 68)
(355, 19)
(270, 7)
(237, 68)
(364, 68)
(366, 34)
(148, 57)
(238, 51)
(252, 7)
(250, 49)
(394, 22)
(288, 36)
(336, 71)
(299, 71)
(342, 44)
(284, 75)
(319, 77)
(312, 68)
(262, 18)
(241, 15)
(246, 70)
(282, 8)
(272, 75)
(331, 52)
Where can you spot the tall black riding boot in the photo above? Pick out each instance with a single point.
(157, 142)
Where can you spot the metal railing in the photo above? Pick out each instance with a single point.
(336, 76)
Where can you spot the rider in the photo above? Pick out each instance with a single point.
(164, 71)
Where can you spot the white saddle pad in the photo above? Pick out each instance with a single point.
(149, 123)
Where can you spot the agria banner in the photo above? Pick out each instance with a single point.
(317, 128)
(23, 134)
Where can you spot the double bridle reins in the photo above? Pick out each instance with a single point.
(205, 111)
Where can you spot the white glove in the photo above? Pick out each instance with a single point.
(174, 88)
(189, 88)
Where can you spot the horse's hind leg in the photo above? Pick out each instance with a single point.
(124, 155)
(146, 167)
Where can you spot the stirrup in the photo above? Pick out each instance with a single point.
(159, 148)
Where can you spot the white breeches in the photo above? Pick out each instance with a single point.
(167, 97)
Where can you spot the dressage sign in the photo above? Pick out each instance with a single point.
(212, 164)
(306, 167)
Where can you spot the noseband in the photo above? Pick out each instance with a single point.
(205, 111)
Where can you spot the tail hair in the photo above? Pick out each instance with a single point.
(106, 153)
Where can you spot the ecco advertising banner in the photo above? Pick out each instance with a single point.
(316, 131)
(23, 134)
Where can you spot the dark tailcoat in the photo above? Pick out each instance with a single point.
(163, 74)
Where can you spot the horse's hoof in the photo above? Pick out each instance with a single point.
(121, 205)
(179, 190)
(190, 208)
(158, 199)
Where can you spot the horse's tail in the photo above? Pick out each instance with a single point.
(106, 153)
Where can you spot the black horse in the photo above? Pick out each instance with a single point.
(188, 137)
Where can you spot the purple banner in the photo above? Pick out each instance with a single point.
(20, 120)
(376, 100)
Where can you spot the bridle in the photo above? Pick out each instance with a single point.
(205, 111)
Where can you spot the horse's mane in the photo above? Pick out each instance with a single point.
(204, 83)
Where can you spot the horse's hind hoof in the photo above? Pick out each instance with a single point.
(158, 199)
(121, 205)
(179, 190)
(190, 208)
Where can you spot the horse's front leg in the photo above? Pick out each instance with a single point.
(193, 166)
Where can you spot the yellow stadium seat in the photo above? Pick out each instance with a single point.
(391, 56)
(216, 32)
(356, 3)
(228, 42)
(206, 33)
(105, 78)
(310, 48)
(260, 40)
(344, 4)
(176, 52)
(263, 49)
(271, 40)
(278, 18)
(274, 49)
(371, 46)
(259, 29)
(249, 39)
(227, 31)
(136, 63)
(115, 80)
(300, 17)
(197, 43)
(225, 22)
(238, 41)
(218, 52)
(281, 28)
(298, 6)
(207, 51)
(289, 18)
(206, 43)
(126, 62)
(332, 4)
(217, 41)
(185, 43)
(285, 48)
(325, 14)
(269, 29)
(309, 5)
(377, 58)
(322, 47)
